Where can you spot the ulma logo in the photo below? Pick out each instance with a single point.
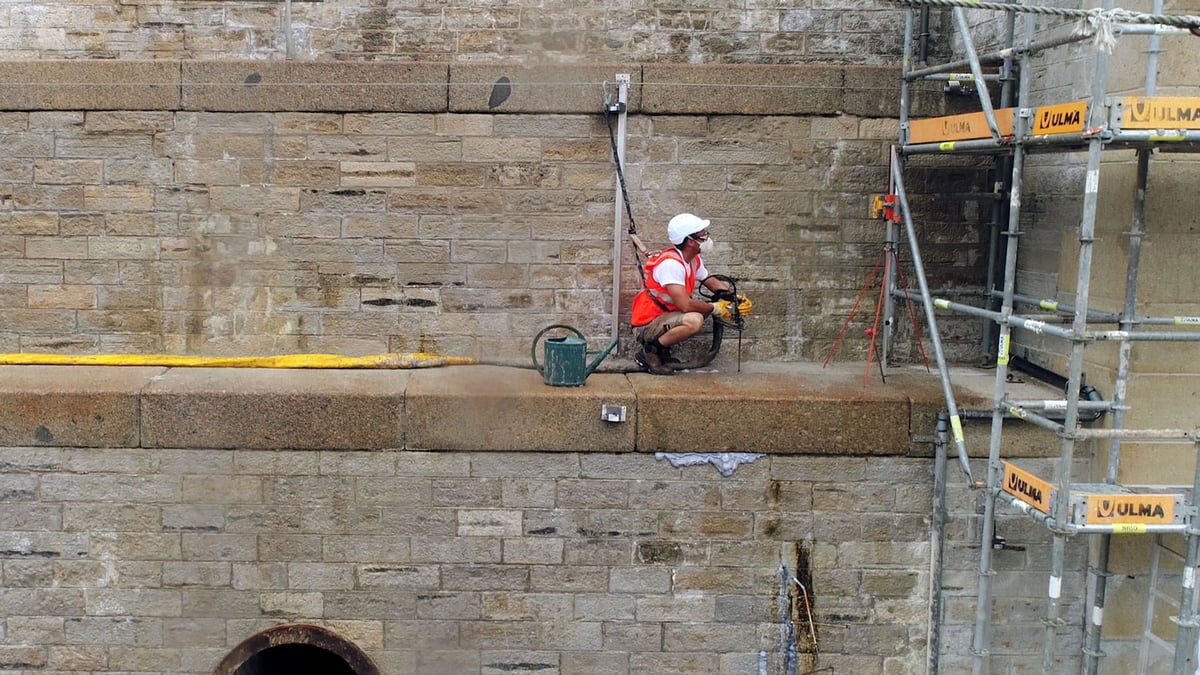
(1147, 111)
(1110, 508)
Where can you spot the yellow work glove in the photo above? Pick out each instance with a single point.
(744, 305)
(721, 309)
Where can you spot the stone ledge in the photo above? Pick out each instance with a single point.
(269, 409)
(772, 408)
(427, 87)
(76, 406)
(313, 86)
(90, 85)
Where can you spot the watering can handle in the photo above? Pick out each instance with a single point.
(536, 338)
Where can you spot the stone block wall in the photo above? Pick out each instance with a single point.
(464, 30)
(125, 559)
(263, 208)
(472, 520)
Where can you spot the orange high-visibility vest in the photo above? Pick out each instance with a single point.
(645, 307)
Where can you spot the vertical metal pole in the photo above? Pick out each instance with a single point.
(937, 536)
(1087, 231)
(1002, 186)
(1092, 640)
(983, 605)
(890, 272)
(1185, 639)
(619, 201)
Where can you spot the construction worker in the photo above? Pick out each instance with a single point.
(665, 313)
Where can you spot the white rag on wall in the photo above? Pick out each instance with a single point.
(726, 462)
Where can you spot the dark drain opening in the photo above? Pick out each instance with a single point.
(295, 659)
(296, 650)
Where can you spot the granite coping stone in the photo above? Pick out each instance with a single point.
(795, 408)
(79, 406)
(304, 409)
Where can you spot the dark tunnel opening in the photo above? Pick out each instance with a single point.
(295, 659)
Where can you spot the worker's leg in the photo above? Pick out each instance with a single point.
(687, 325)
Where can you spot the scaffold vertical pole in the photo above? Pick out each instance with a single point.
(1095, 625)
(1188, 622)
(1087, 229)
(983, 607)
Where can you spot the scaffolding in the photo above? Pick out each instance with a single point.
(1009, 132)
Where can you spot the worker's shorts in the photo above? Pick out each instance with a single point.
(656, 328)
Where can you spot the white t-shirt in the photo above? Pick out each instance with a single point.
(671, 271)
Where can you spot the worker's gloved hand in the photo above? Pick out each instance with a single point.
(723, 309)
(744, 305)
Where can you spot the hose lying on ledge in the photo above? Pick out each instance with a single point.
(376, 361)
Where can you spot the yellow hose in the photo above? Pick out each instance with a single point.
(376, 361)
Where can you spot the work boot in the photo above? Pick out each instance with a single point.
(664, 354)
(652, 363)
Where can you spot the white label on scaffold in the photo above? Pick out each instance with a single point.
(1187, 321)
(1055, 587)
(1120, 390)
(1097, 616)
(1055, 405)
(1093, 182)
(1002, 350)
(1035, 326)
(1189, 577)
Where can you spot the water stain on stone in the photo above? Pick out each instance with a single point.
(43, 435)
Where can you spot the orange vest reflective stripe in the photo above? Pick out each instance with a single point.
(645, 309)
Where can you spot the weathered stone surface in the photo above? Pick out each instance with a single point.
(310, 86)
(804, 410)
(487, 407)
(90, 85)
(485, 87)
(71, 406)
(273, 409)
(741, 89)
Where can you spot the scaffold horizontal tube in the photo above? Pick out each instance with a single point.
(1032, 417)
(1142, 336)
(1016, 321)
(1126, 16)
(996, 57)
(1060, 404)
(1054, 305)
(1176, 435)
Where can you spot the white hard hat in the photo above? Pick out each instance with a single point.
(683, 225)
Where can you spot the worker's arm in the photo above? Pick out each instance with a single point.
(685, 302)
(712, 283)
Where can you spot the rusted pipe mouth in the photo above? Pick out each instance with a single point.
(296, 649)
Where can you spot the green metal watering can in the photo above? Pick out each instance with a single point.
(566, 357)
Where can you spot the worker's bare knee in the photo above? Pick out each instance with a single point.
(693, 321)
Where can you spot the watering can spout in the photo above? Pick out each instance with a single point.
(596, 363)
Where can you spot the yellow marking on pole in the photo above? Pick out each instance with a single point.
(1050, 305)
(956, 428)
(1002, 350)
(1129, 528)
